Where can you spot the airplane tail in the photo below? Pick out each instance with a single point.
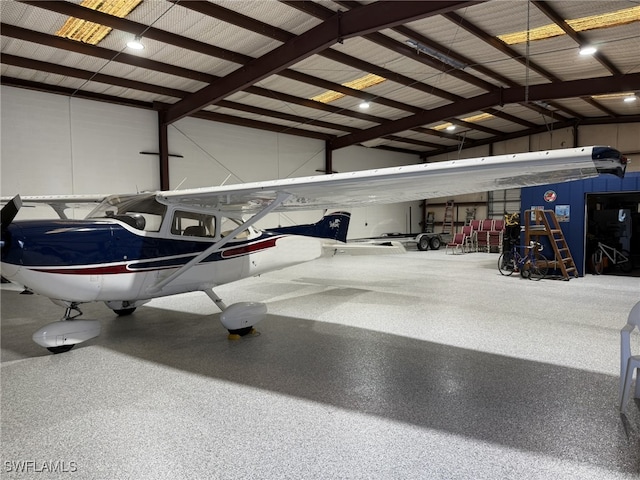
(333, 226)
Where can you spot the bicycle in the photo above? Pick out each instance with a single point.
(533, 265)
(622, 259)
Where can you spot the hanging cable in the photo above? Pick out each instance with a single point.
(527, 53)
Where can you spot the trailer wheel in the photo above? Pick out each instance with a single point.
(423, 243)
(434, 243)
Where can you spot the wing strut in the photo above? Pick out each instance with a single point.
(158, 286)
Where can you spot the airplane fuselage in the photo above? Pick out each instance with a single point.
(108, 260)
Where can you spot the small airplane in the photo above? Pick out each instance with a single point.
(133, 248)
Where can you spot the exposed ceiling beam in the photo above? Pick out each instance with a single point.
(58, 90)
(436, 149)
(371, 18)
(474, 126)
(499, 45)
(218, 117)
(100, 52)
(160, 90)
(406, 50)
(599, 106)
(510, 52)
(539, 129)
(87, 75)
(256, 26)
(544, 92)
(579, 38)
(141, 62)
(206, 8)
(125, 25)
(403, 49)
(323, 13)
(271, 127)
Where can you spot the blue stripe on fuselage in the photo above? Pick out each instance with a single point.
(64, 243)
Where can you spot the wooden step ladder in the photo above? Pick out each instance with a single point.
(447, 223)
(544, 223)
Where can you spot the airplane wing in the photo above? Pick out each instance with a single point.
(59, 203)
(384, 185)
(60, 199)
(407, 183)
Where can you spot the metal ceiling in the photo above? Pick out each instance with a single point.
(258, 63)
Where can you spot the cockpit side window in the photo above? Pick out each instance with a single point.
(228, 225)
(141, 212)
(189, 224)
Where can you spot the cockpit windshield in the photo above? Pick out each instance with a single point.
(142, 212)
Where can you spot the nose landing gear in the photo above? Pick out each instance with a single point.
(61, 336)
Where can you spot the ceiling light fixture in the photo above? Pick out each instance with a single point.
(612, 96)
(588, 50)
(451, 128)
(446, 59)
(630, 98)
(135, 44)
(364, 105)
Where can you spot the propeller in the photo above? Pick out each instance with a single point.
(9, 211)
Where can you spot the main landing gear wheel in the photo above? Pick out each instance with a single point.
(241, 332)
(123, 312)
(60, 349)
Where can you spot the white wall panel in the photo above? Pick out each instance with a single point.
(624, 137)
(52, 144)
(515, 145)
(374, 221)
(561, 138)
(212, 151)
(35, 148)
(481, 151)
(107, 140)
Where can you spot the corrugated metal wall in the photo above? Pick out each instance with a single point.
(573, 194)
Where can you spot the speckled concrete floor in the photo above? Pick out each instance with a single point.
(422, 365)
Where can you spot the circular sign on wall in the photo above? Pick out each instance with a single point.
(550, 196)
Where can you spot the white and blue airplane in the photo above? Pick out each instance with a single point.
(133, 248)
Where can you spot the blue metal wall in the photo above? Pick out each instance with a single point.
(573, 194)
